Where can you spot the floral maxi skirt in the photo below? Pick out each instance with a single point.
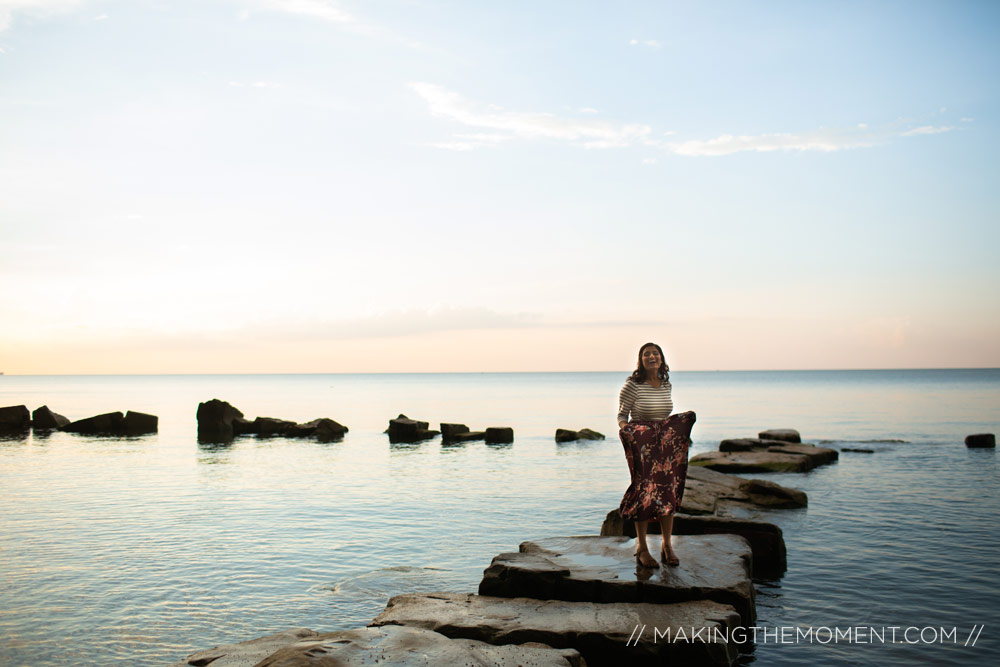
(657, 454)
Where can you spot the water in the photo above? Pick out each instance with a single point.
(145, 549)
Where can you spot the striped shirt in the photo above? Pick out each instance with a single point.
(644, 402)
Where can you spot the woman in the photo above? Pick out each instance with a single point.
(656, 447)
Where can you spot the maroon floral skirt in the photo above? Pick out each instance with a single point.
(657, 454)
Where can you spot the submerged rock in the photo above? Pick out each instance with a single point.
(390, 645)
(460, 433)
(110, 423)
(603, 569)
(785, 434)
(139, 423)
(14, 418)
(44, 419)
(215, 420)
(605, 634)
(861, 450)
(499, 434)
(981, 440)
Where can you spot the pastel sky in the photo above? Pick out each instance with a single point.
(203, 186)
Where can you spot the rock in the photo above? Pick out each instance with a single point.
(981, 440)
(587, 434)
(323, 429)
(404, 429)
(328, 430)
(784, 434)
(107, 424)
(267, 427)
(215, 420)
(467, 437)
(246, 653)
(605, 634)
(752, 462)
(767, 542)
(398, 645)
(243, 426)
(857, 449)
(565, 435)
(818, 455)
(603, 569)
(765, 493)
(449, 431)
(708, 491)
(14, 418)
(139, 423)
(499, 434)
(44, 419)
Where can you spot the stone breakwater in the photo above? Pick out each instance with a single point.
(578, 600)
(15, 419)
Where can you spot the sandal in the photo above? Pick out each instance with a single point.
(638, 561)
(672, 560)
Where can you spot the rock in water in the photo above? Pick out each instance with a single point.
(566, 435)
(107, 424)
(981, 440)
(139, 423)
(404, 429)
(44, 419)
(14, 418)
(499, 434)
(783, 434)
(215, 421)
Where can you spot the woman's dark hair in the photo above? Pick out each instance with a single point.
(639, 374)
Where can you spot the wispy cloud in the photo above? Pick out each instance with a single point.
(33, 8)
(328, 10)
(823, 140)
(254, 84)
(445, 103)
(650, 43)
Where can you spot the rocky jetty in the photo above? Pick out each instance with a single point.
(566, 435)
(603, 569)
(460, 433)
(110, 423)
(43, 419)
(14, 419)
(391, 645)
(404, 429)
(605, 634)
(981, 440)
(767, 543)
(219, 421)
(764, 455)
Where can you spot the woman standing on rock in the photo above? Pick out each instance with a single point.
(656, 448)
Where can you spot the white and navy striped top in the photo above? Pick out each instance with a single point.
(644, 401)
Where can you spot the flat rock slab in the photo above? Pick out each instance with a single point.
(603, 569)
(391, 645)
(786, 434)
(753, 462)
(605, 634)
(704, 488)
(818, 455)
(767, 542)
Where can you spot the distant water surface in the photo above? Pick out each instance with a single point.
(142, 550)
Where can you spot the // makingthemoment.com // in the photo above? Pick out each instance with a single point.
(791, 634)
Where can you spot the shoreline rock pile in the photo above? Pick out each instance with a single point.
(17, 419)
(220, 422)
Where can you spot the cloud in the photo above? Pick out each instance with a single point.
(254, 84)
(33, 8)
(328, 10)
(444, 103)
(966, 119)
(651, 43)
(824, 140)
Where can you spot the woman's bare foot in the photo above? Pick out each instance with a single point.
(645, 559)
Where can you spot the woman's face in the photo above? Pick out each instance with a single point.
(651, 359)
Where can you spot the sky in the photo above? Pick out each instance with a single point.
(323, 186)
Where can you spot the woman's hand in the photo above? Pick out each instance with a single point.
(622, 425)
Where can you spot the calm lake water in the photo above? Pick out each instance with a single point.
(143, 550)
